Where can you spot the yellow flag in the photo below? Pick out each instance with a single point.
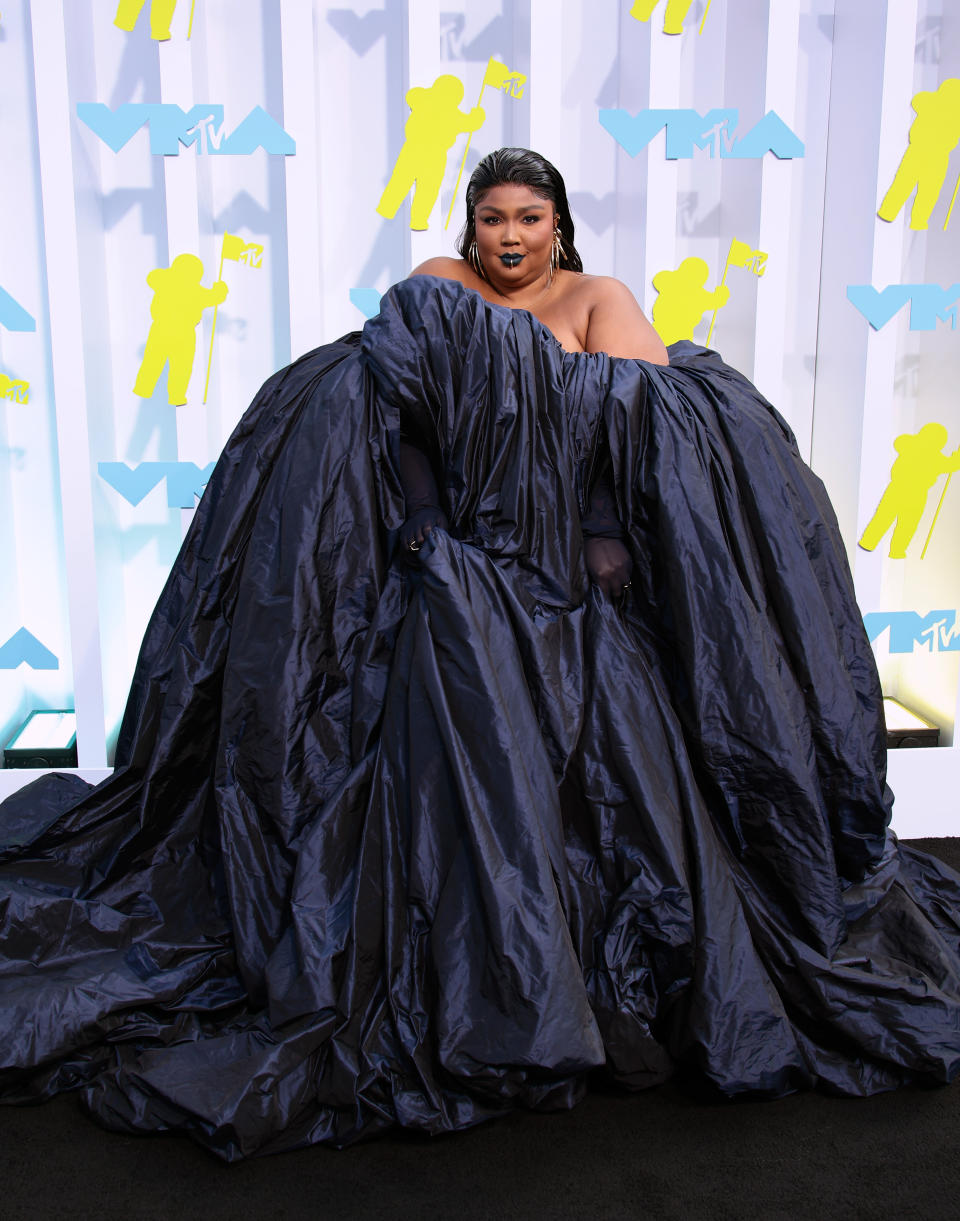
(742, 255)
(14, 388)
(239, 251)
(499, 76)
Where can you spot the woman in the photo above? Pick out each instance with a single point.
(517, 250)
(415, 835)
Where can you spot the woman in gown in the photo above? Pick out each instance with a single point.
(507, 715)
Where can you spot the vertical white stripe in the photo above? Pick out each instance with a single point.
(663, 176)
(304, 217)
(54, 117)
(776, 196)
(183, 237)
(956, 754)
(423, 67)
(113, 408)
(548, 132)
(29, 504)
(879, 421)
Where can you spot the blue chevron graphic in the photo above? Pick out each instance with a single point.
(24, 648)
(13, 316)
(367, 301)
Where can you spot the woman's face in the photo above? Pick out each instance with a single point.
(514, 228)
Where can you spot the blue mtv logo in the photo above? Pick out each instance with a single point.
(185, 480)
(169, 126)
(929, 304)
(935, 632)
(23, 648)
(715, 130)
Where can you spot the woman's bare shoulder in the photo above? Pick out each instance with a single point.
(445, 268)
(616, 324)
(599, 290)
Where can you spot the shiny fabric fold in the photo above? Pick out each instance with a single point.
(413, 840)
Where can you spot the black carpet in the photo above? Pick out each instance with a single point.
(660, 1155)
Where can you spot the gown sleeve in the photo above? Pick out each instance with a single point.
(416, 477)
(600, 519)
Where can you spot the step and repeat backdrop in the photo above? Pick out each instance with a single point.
(198, 191)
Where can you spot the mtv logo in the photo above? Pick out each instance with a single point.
(688, 129)
(169, 126)
(185, 480)
(935, 632)
(14, 388)
(929, 304)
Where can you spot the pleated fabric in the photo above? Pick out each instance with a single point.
(416, 839)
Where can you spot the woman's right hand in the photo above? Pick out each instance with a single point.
(415, 529)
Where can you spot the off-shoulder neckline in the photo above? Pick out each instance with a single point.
(509, 309)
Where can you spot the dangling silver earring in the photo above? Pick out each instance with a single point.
(473, 257)
(556, 252)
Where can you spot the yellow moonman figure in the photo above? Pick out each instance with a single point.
(683, 299)
(434, 124)
(933, 136)
(179, 300)
(161, 14)
(912, 475)
(673, 16)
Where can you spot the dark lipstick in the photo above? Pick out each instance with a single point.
(510, 260)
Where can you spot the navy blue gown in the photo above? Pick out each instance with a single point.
(414, 840)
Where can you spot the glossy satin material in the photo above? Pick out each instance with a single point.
(413, 840)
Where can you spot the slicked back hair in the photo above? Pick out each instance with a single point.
(520, 167)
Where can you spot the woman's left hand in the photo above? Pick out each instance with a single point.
(414, 531)
(609, 564)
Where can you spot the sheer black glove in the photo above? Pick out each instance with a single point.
(420, 495)
(609, 564)
(415, 529)
(600, 519)
(608, 561)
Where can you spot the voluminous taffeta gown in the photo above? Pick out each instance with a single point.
(413, 840)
